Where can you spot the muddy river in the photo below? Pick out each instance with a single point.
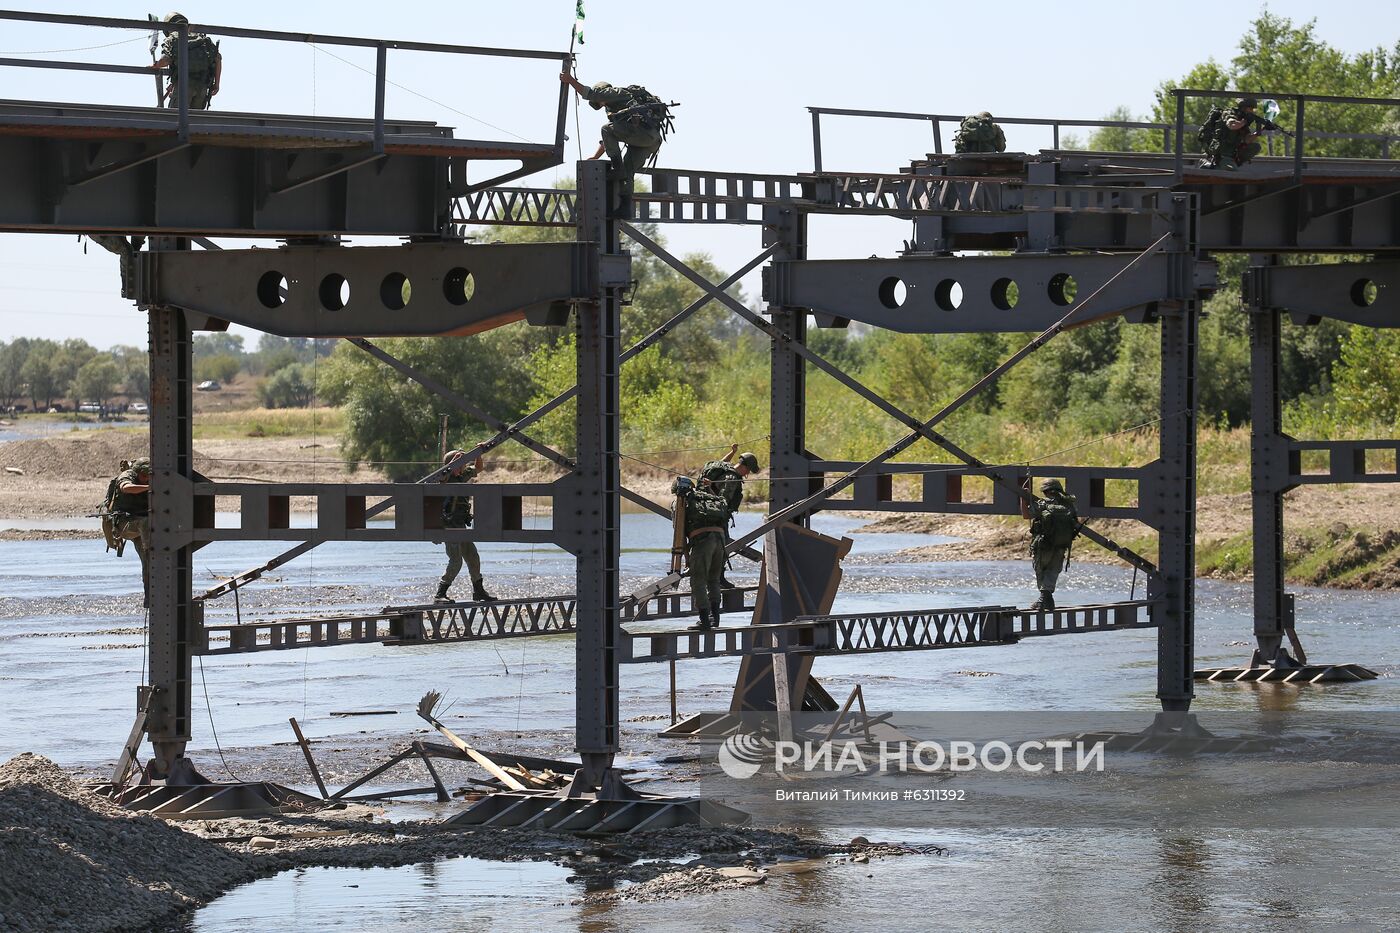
(71, 633)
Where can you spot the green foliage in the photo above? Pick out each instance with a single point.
(217, 344)
(1124, 139)
(96, 380)
(135, 368)
(12, 357)
(1276, 56)
(291, 387)
(1366, 382)
(222, 367)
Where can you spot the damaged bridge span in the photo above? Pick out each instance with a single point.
(1041, 241)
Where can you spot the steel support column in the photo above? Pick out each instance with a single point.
(1268, 450)
(597, 513)
(1175, 583)
(785, 230)
(171, 621)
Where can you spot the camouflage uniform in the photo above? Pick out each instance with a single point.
(1047, 560)
(721, 478)
(131, 517)
(202, 69)
(1233, 148)
(724, 481)
(705, 547)
(640, 131)
(457, 513)
(978, 133)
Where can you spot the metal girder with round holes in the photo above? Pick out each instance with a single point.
(938, 294)
(418, 289)
(1356, 292)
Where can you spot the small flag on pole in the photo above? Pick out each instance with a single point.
(579, 17)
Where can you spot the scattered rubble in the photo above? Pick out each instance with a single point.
(120, 870)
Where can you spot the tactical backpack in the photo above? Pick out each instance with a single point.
(1059, 523)
(977, 132)
(647, 111)
(716, 472)
(115, 542)
(204, 59)
(706, 510)
(720, 477)
(1209, 132)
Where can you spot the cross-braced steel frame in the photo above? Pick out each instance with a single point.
(1086, 238)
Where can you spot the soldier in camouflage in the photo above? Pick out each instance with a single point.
(457, 513)
(636, 118)
(726, 479)
(205, 68)
(979, 133)
(706, 516)
(127, 516)
(1237, 136)
(1054, 525)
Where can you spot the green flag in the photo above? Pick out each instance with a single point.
(579, 17)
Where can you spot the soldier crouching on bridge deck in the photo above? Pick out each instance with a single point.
(1230, 137)
(725, 478)
(126, 516)
(457, 513)
(979, 133)
(637, 118)
(1054, 526)
(205, 68)
(705, 517)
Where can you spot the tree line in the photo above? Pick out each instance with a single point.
(706, 384)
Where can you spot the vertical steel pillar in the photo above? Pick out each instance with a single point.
(1175, 488)
(172, 609)
(1269, 468)
(788, 414)
(597, 513)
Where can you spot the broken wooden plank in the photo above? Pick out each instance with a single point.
(425, 711)
(310, 762)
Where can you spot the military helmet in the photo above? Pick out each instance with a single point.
(985, 115)
(600, 86)
(682, 485)
(1247, 103)
(750, 460)
(177, 18)
(452, 455)
(1052, 487)
(141, 465)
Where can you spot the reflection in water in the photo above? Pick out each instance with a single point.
(1180, 886)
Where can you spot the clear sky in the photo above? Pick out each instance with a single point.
(744, 71)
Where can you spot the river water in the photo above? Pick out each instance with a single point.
(70, 630)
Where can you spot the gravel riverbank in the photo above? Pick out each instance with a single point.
(75, 862)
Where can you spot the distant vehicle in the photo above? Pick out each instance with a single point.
(90, 408)
(209, 385)
(139, 408)
(56, 409)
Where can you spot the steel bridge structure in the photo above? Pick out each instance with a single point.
(1014, 242)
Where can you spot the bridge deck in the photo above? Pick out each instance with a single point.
(252, 130)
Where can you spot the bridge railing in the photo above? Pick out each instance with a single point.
(1173, 135)
(936, 121)
(183, 30)
(1299, 122)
